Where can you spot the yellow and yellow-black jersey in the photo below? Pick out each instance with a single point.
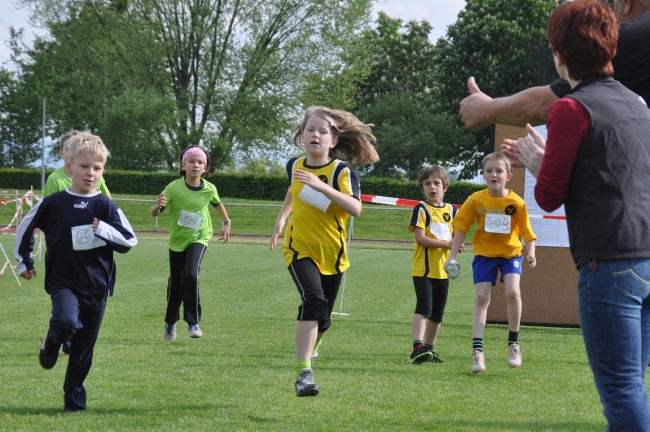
(502, 223)
(316, 228)
(436, 223)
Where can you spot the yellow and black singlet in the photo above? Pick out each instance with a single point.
(316, 228)
(436, 223)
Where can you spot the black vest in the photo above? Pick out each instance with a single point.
(608, 207)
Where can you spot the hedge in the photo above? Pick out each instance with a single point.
(245, 186)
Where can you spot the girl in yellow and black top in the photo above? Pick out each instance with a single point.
(190, 232)
(431, 226)
(323, 191)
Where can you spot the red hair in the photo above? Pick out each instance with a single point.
(585, 34)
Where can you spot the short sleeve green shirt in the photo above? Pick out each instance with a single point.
(189, 213)
(59, 181)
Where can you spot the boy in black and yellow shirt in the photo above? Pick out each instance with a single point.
(431, 226)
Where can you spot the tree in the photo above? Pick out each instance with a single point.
(235, 70)
(20, 121)
(502, 43)
(398, 99)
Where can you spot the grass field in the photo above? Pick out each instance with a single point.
(240, 375)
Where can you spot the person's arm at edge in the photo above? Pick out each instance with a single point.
(225, 232)
(530, 253)
(456, 242)
(532, 105)
(287, 205)
(568, 124)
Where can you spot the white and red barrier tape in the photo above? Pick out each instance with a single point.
(25, 199)
(404, 202)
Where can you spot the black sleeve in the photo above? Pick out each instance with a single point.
(561, 88)
(415, 215)
(353, 179)
(290, 167)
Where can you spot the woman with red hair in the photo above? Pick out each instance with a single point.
(597, 163)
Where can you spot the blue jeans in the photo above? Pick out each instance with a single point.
(614, 304)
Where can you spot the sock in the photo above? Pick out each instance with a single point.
(477, 344)
(428, 347)
(513, 337)
(315, 351)
(302, 364)
(417, 344)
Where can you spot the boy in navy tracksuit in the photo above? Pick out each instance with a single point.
(82, 229)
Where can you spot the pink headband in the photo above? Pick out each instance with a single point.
(195, 151)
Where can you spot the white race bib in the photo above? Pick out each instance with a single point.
(441, 231)
(83, 238)
(315, 198)
(189, 220)
(497, 223)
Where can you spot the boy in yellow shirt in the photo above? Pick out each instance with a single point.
(503, 221)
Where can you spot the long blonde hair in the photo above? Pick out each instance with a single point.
(355, 141)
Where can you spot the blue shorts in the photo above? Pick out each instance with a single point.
(486, 269)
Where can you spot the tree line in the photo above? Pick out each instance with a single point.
(153, 76)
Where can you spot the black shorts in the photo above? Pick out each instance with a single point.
(431, 297)
(317, 291)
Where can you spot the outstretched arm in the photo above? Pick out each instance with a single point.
(287, 205)
(456, 243)
(530, 253)
(532, 105)
(159, 206)
(225, 232)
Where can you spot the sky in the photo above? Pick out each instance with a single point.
(439, 13)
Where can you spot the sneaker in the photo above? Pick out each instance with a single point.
(170, 332)
(305, 385)
(435, 358)
(48, 354)
(478, 362)
(312, 358)
(195, 331)
(514, 356)
(421, 355)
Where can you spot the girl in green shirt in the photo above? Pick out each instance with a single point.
(190, 231)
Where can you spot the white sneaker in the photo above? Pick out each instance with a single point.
(195, 331)
(478, 362)
(514, 356)
(170, 332)
(312, 358)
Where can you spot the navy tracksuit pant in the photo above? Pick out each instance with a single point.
(78, 319)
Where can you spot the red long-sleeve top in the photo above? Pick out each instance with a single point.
(568, 125)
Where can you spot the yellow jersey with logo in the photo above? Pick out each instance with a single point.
(502, 224)
(316, 228)
(436, 223)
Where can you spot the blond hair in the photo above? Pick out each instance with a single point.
(355, 141)
(85, 142)
(67, 136)
(497, 156)
(437, 172)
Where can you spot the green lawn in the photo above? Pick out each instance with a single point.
(240, 375)
(377, 222)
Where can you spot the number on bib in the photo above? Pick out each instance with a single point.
(83, 238)
(497, 223)
(189, 220)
